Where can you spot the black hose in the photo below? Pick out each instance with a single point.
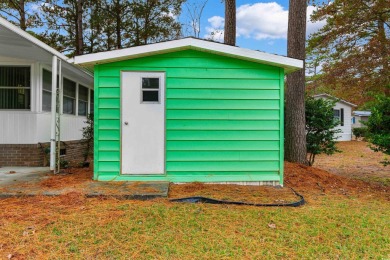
(198, 199)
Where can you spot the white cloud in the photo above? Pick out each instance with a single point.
(216, 21)
(261, 21)
(215, 31)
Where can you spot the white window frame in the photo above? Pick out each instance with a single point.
(84, 101)
(151, 90)
(32, 83)
(74, 98)
(40, 81)
(43, 90)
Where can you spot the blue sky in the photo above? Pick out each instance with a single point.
(261, 25)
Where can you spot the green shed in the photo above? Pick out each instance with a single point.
(189, 110)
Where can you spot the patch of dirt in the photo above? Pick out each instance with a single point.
(72, 199)
(357, 161)
(313, 180)
(309, 181)
(69, 178)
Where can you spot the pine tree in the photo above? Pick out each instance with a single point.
(295, 138)
(230, 22)
(355, 48)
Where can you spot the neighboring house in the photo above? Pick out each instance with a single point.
(26, 99)
(189, 110)
(343, 113)
(359, 117)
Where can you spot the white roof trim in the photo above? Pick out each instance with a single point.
(289, 64)
(40, 44)
(31, 38)
(362, 113)
(335, 98)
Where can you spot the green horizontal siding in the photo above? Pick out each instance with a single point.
(221, 94)
(179, 83)
(223, 166)
(223, 145)
(238, 114)
(204, 134)
(109, 135)
(109, 156)
(108, 124)
(109, 93)
(223, 118)
(221, 104)
(181, 124)
(109, 113)
(109, 103)
(200, 156)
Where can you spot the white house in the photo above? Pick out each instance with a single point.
(359, 117)
(342, 112)
(27, 124)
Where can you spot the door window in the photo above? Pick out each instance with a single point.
(150, 90)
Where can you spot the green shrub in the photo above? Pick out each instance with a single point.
(360, 132)
(88, 136)
(378, 126)
(320, 124)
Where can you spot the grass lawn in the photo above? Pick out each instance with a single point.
(343, 218)
(68, 227)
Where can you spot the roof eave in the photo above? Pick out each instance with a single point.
(41, 44)
(288, 64)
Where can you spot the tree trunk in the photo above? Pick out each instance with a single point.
(79, 28)
(295, 136)
(22, 13)
(118, 25)
(230, 22)
(384, 52)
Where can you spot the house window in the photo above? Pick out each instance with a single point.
(150, 90)
(91, 103)
(338, 115)
(83, 101)
(15, 87)
(69, 100)
(46, 90)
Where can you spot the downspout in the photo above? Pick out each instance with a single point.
(58, 114)
(53, 113)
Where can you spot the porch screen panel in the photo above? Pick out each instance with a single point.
(69, 101)
(15, 87)
(83, 100)
(46, 91)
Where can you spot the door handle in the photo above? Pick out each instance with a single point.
(126, 123)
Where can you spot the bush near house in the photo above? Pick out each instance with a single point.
(378, 125)
(360, 132)
(320, 124)
(88, 136)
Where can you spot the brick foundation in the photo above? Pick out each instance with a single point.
(33, 155)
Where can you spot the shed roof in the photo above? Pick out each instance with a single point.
(361, 113)
(324, 95)
(289, 64)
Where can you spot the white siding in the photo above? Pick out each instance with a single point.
(33, 126)
(71, 127)
(18, 127)
(346, 129)
(358, 120)
(346, 134)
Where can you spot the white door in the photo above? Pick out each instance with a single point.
(143, 122)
